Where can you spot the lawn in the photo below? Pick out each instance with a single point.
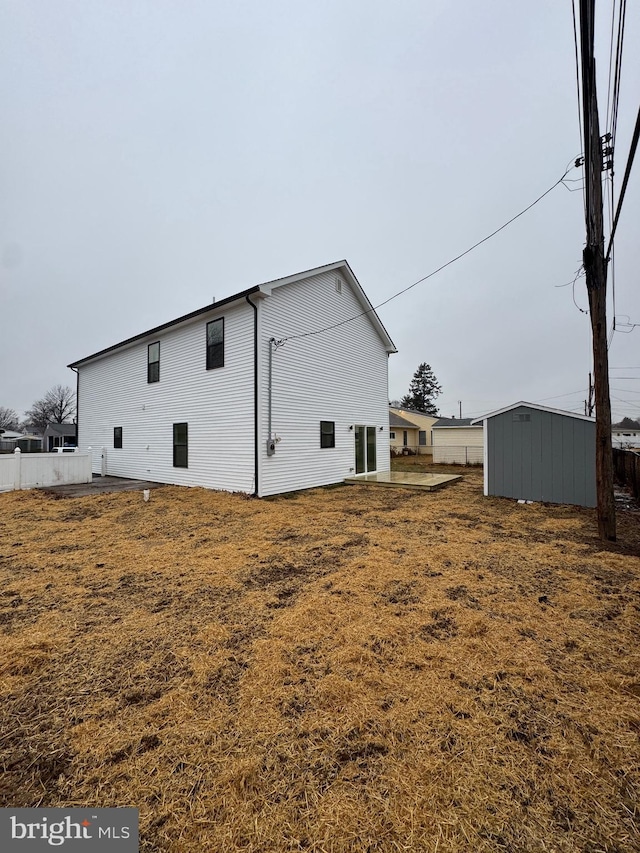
(345, 669)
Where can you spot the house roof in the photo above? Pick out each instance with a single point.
(61, 429)
(478, 421)
(454, 422)
(402, 409)
(400, 422)
(265, 290)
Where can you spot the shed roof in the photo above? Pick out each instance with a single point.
(264, 289)
(532, 406)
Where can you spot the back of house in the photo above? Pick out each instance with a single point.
(279, 387)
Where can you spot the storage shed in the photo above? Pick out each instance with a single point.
(536, 453)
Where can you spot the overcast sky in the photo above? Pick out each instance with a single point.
(157, 153)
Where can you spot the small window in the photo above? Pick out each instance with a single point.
(422, 438)
(153, 362)
(327, 434)
(521, 418)
(392, 436)
(215, 344)
(405, 437)
(117, 437)
(181, 445)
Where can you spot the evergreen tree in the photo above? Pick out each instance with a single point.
(423, 390)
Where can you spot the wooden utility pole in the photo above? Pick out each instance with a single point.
(596, 274)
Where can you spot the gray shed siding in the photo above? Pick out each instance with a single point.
(550, 458)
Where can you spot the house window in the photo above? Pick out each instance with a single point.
(327, 434)
(422, 438)
(392, 436)
(117, 437)
(181, 445)
(215, 344)
(405, 437)
(153, 362)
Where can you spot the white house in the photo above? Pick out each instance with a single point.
(280, 387)
(456, 441)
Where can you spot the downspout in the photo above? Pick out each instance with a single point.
(77, 373)
(255, 396)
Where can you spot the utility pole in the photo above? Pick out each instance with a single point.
(460, 407)
(596, 274)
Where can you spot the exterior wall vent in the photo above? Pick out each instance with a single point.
(338, 284)
(521, 417)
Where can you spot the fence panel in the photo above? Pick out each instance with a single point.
(8, 472)
(626, 465)
(458, 455)
(32, 470)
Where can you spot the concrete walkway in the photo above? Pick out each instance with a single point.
(100, 485)
(405, 479)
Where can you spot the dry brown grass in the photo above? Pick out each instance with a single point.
(352, 669)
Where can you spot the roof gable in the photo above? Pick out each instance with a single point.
(361, 296)
(532, 406)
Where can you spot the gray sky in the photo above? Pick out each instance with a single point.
(157, 153)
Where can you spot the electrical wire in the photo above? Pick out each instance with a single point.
(625, 181)
(617, 71)
(283, 340)
(575, 44)
(558, 396)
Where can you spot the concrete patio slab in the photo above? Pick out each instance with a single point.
(99, 486)
(405, 479)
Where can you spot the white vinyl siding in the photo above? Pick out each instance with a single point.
(339, 375)
(217, 405)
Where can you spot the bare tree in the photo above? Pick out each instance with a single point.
(8, 418)
(57, 406)
(62, 403)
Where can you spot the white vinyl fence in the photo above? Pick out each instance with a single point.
(32, 470)
(458, 455)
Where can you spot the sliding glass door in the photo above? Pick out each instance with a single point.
(365, 449)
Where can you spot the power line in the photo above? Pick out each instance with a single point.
(625, 181)
(282, 341)
(558, 396)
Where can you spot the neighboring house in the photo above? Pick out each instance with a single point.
(424, 439)
(625, 437)
(535, 453)
(280, 387)
(8, 438)
(58, 435)
(403, 434)
(457, 441)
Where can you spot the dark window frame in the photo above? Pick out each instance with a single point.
(215, 352)
(178, 445)
(117, 438)
(327, 437)
(153, 367)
